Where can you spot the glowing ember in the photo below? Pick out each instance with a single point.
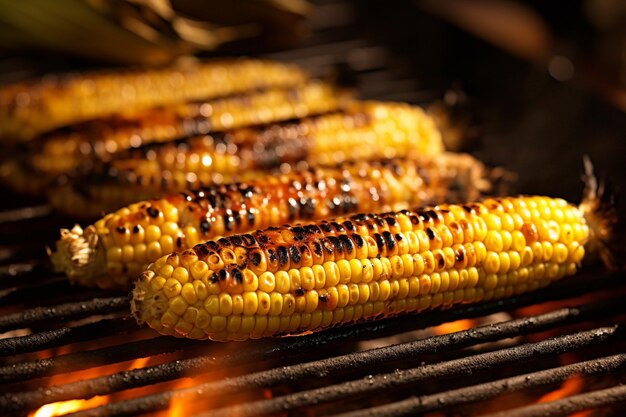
(455, 326)
(66, 407)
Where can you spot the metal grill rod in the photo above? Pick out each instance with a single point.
(63, 312)
(98, 357)
(566, 406)
(194, 366)
(475, 393)
(189, 367)
(65, 335)
(463, 366)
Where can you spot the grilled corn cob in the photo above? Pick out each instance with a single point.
(286, 280)
(31, 108)
(114, 251)
(63, 150)
(364, 131)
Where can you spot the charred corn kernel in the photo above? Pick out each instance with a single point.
(102, 139)
(388, 283)
(209, 211)
(147, 172)
(33, 107)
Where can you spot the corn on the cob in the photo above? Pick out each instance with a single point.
(364, 131)
(61, 151)
(114, 251)
(31, 108)
(287, 280)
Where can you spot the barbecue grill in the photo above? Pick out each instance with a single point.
(554, 352)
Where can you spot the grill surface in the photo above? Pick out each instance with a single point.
(572, 329)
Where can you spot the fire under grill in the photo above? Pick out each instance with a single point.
(554, 352)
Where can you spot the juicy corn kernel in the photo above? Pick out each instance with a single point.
(510, 253)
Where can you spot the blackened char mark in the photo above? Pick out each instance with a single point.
(153, 212)
(336, 243)
(294, 254)
(283, 255)
(346, 243)
(248, 240)
(237, 276)
(389, 240)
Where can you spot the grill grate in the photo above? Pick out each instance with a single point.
(52, 329)
(488, 390)
(201, 358)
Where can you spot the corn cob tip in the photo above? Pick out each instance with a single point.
(77, 254)
(607, 226)
(142, 307)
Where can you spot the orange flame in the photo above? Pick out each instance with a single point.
(570, 386)
(573, 385)
(454, 326)
(65, 407)
(179, 406)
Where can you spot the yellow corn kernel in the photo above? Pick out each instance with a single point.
(512, 251)
(188, 293)
(250, 281)
(267, 282)
(332, 274)
(250, 303)
(276, 304)
(283, 282)
(308, 279)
